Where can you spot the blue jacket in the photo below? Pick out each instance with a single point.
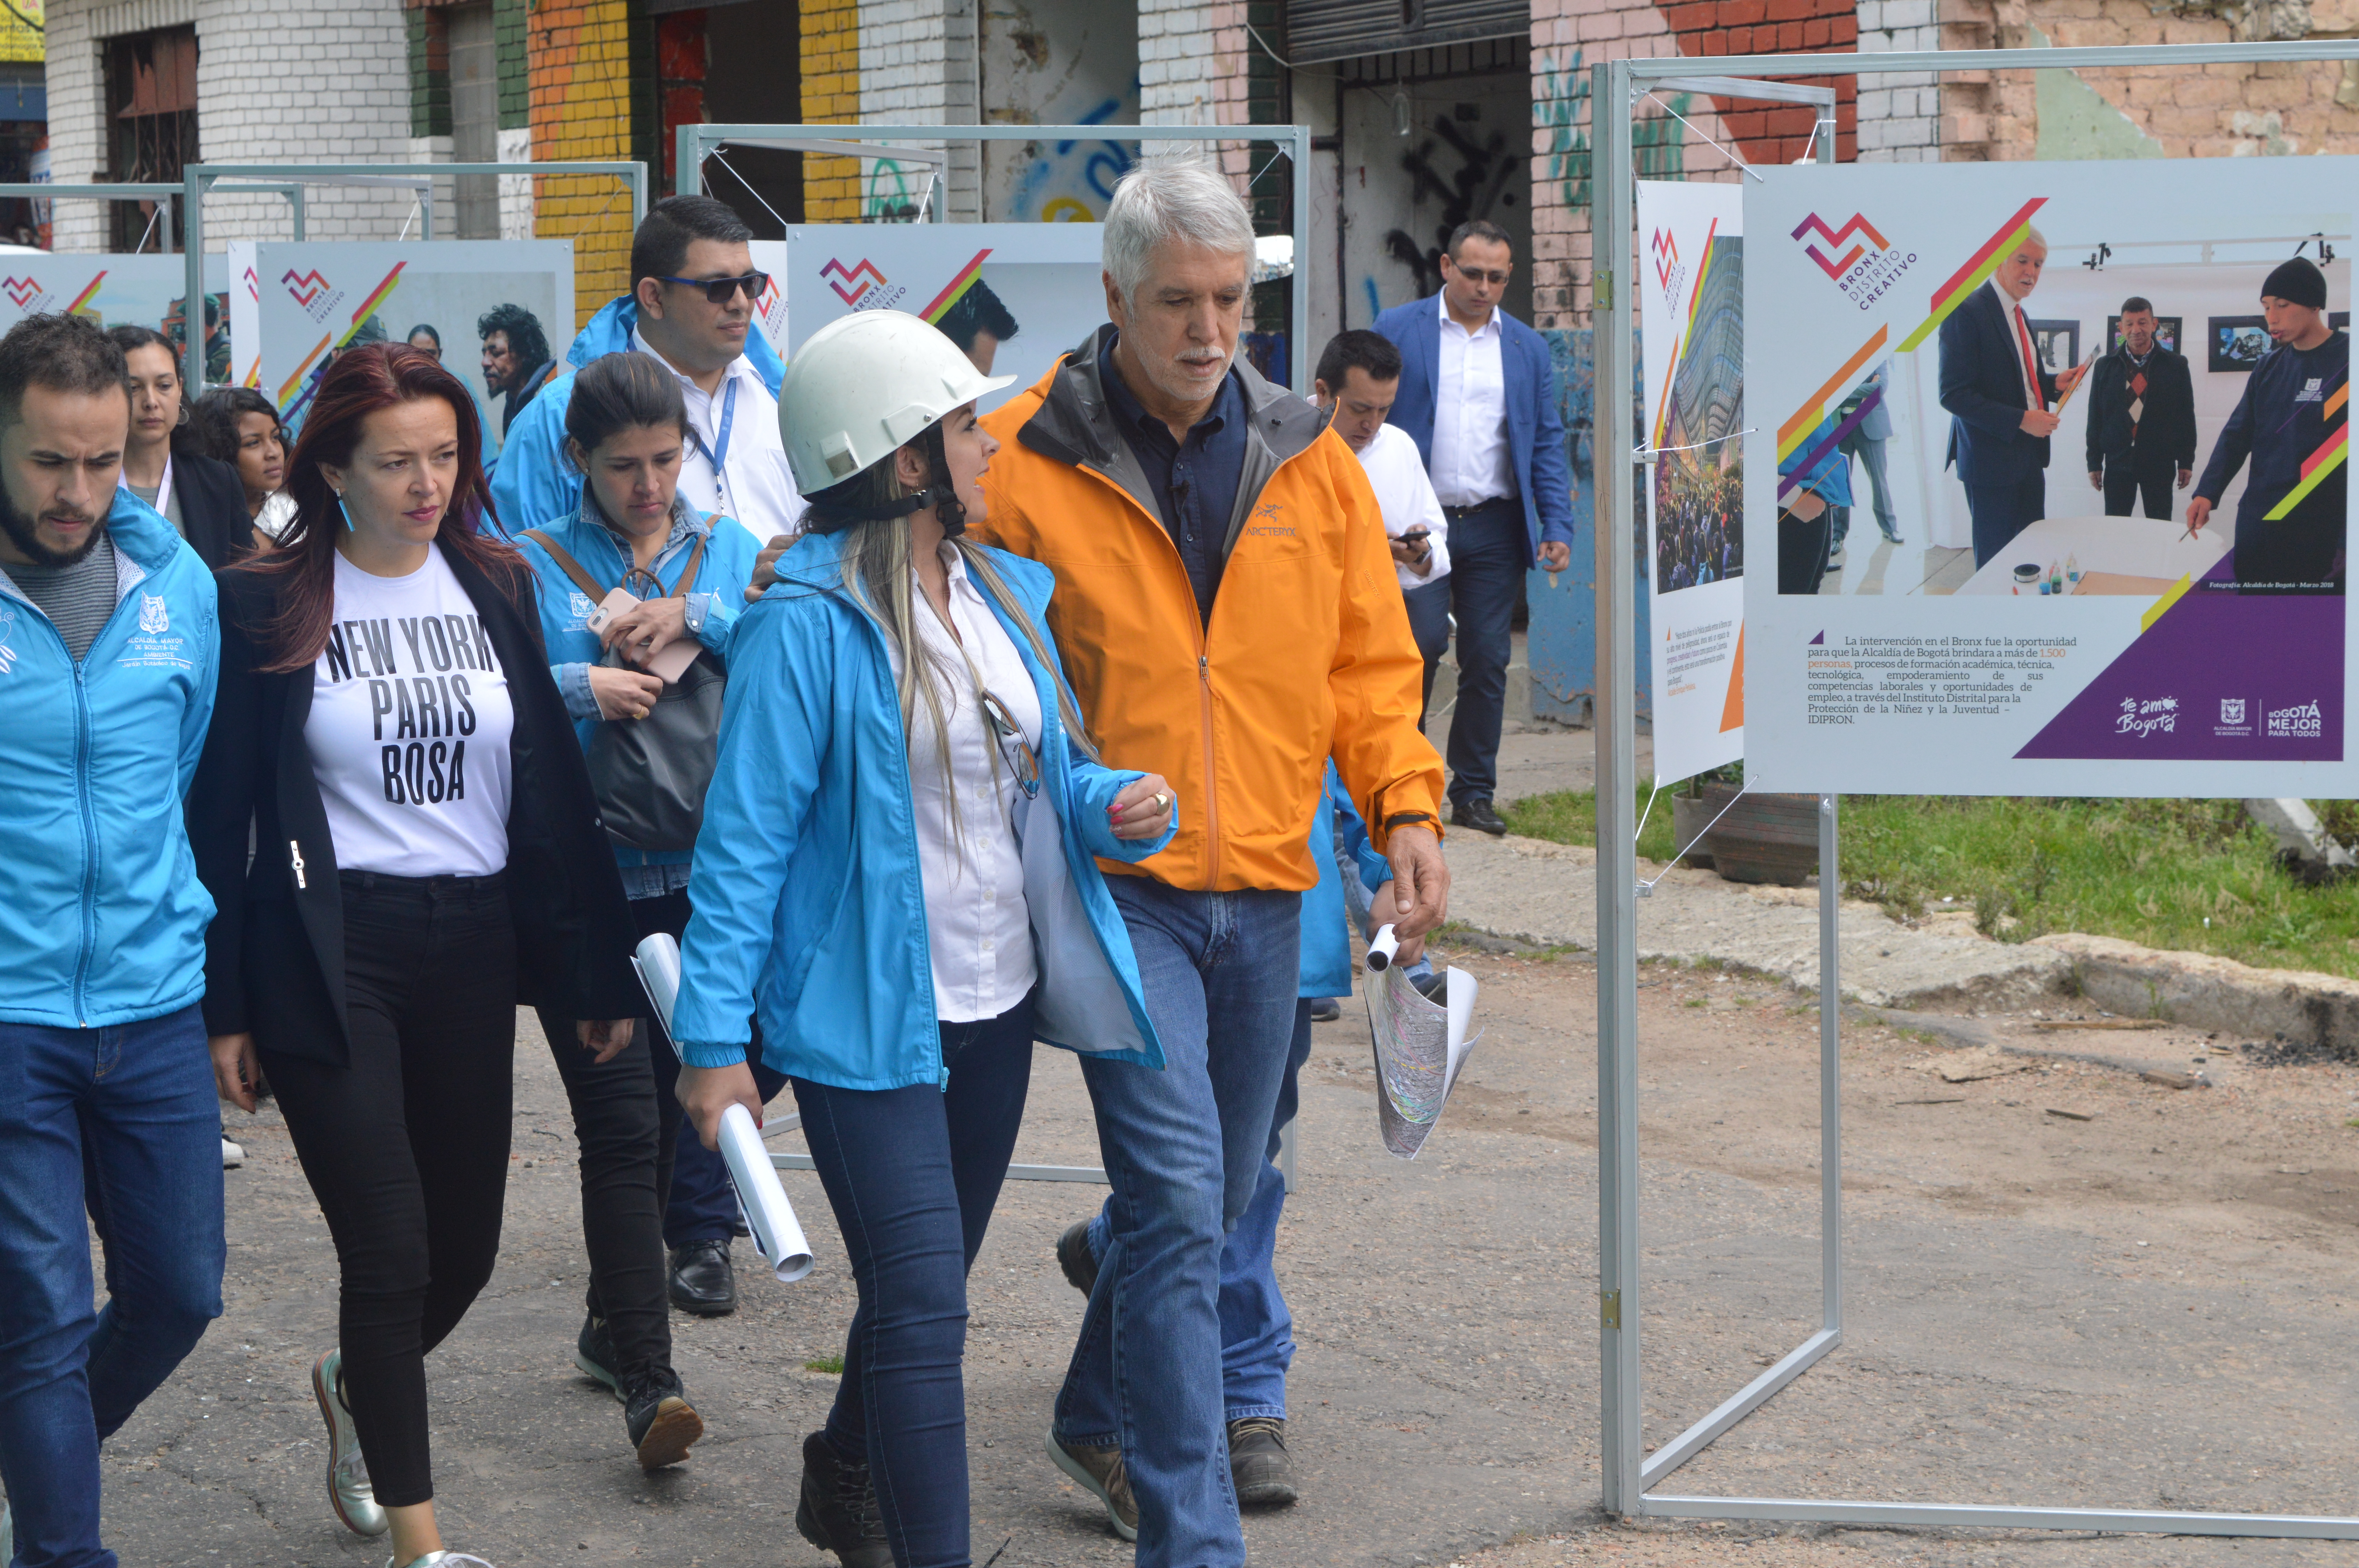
(1326, 919)
(532, 478)
(102, 916)
(719, 594)
(1536, 443)
(1983, 388)
(809, 908)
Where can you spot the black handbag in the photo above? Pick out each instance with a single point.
(650, 774)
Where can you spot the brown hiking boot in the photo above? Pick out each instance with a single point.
(1101, 1470)
(1258, 1462)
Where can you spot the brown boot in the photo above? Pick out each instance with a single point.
(1101, 1470)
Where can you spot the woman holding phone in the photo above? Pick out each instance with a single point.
(897, 875)
(429, 857)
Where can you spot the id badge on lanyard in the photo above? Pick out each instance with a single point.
(717, 454)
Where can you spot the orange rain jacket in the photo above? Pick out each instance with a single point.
(1309, 653)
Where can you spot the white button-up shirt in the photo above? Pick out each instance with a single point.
(1472, 463)
(757, 488)
(1407, 499)
(978, 929)
(2027, 376)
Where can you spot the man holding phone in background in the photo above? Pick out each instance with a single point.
(1359, 376)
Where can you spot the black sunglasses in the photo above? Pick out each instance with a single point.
(720, 290)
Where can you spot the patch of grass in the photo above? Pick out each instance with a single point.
(1569, 817)
(831, 1364)
(2193, 874)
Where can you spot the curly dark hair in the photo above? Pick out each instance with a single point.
(215, 417)
(526, 339)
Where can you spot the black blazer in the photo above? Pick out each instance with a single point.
(275, 953)
(213, 508)
(1982, 386)
(2166, 435)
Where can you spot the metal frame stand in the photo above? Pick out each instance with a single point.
(198, 178)
(1628, 1471)
(697, 142)
(138, 191)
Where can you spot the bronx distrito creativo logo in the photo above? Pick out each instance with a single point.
(21, 290)
(1863, 269)
(304, 287)
(1667, 256)
(847, 280)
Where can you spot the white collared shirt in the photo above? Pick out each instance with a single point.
(2027, 376)
(1407, 499)
(978, 928)
(1472, 463)
(759, 489)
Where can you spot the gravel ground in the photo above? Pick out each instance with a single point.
(2149, 1308)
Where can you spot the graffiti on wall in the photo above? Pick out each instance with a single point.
(1559, 107)
(1470, 189)
(1072, 182)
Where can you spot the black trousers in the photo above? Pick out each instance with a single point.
(1490, 552)
(1802, 549)
(2001, 510)
(407, 1145)
(2124, 485)
(627, 1146)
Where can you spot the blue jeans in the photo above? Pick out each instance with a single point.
(912, 1175)
(1184, 1148)
(1490, 554)
(139, 1097)
(1256, 1329)
(1428, 622)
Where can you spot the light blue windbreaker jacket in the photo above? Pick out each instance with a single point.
(102, 917)
(1326, 920)
(533, 479)
(718, 595)
(809, 906)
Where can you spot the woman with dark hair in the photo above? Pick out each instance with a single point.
(899, 873)
(430, 857)
(165, 463)
(426, 341)
(241, 429)
(624, 430)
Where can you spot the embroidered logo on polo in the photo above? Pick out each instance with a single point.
(153, 618)
(421, 712)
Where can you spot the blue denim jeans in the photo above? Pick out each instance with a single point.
(912, 1175)
(138, 1098)
(1183, 1149)
(1256, 1329)
(1490, 554)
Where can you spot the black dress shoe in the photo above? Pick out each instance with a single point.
(703, 1280)
(1476, 813)
(1074, 1256)
(1259, 1466)
(837, 1510)
(1326, 1010)
(662, 1424)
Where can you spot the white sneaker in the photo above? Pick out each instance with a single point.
(231, 1158)
(349, 1491)
(432, 1560)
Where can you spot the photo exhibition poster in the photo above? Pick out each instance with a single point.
(2023, 633)
(1691, 344)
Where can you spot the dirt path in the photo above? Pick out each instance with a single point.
(2152, 1307)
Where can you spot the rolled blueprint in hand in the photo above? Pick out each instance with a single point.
(1420, 1046)
(763, 1198)
(760, 1195)
(1381, 951)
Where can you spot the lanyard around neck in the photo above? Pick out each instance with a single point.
(163, 486)
(718, 451)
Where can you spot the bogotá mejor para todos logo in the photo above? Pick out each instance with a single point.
(1866, 269)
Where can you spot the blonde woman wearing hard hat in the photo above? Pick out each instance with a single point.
(897, 875)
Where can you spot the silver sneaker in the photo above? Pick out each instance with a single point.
(439, 1559)
(349, 1491)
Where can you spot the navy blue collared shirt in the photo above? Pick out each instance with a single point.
(1194, 482)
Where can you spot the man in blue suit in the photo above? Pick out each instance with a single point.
(1999, 400)
(1478, 395)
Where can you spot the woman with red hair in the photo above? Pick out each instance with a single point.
(429, 856)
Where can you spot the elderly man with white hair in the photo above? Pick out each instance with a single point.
(2001, 401)
(1226, 609)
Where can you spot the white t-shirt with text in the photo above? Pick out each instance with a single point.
(409, 727)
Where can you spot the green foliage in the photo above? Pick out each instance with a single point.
(831, 1364)
(1569, 817)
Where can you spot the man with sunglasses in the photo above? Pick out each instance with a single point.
(1478, 395)
(694, 305)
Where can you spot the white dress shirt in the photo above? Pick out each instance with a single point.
(2027, 376)
(1406, 498)
(757, 488)
(978, 929)
(1472, 463)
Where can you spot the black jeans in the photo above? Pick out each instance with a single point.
(407, 1145)
(1490, 552)
(912, 1175)
(696, 1199)
(2125, 487)
(627, 1145)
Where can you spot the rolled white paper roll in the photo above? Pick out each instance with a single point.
(778, 1235)
(1381, 951)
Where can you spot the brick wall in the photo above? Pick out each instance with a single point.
(830, 62)
(579, 56)
(918, 67)
(1899, 113)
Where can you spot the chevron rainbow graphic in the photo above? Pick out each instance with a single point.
(305, 286)
(851, 289)
(22, 291)
(1835, 238)
(1667, 256)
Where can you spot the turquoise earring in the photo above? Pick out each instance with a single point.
(347, 511)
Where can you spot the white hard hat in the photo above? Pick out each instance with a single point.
(865, 384)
